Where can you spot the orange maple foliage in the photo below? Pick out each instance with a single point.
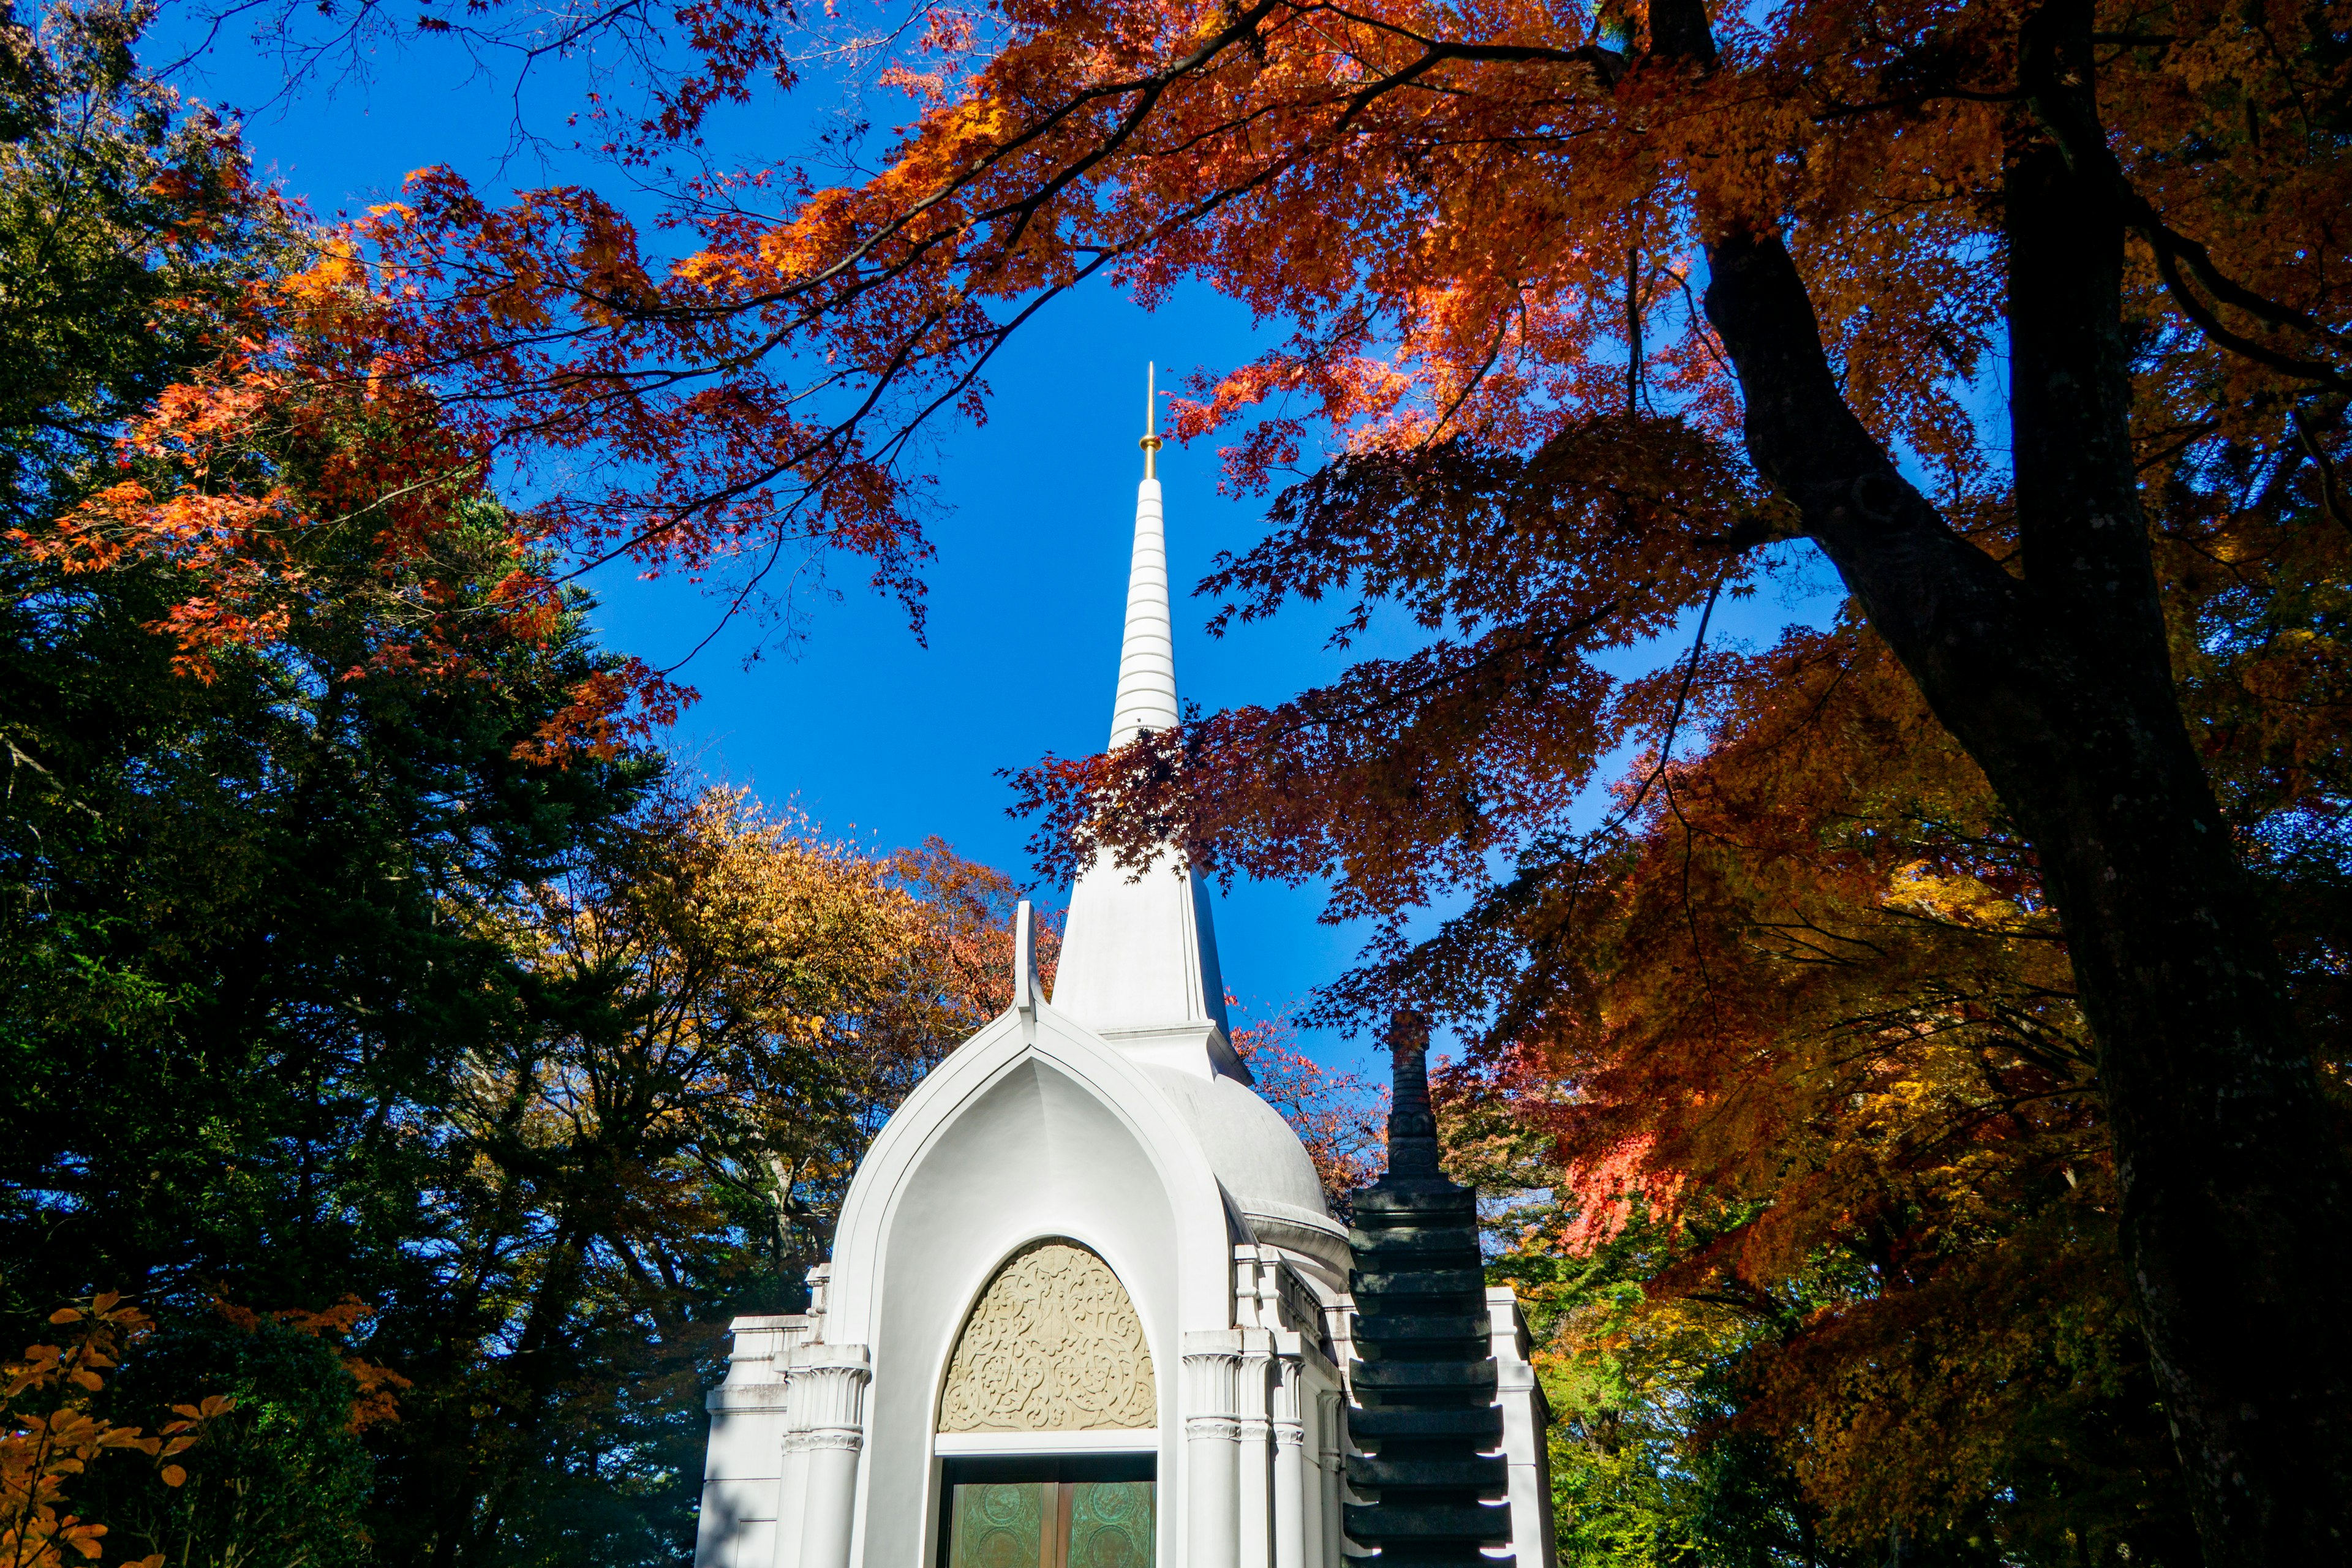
(1807, 1006)
(375, 1389)
(52, 1434)
(548, 323)
(1819, 1010)
(1473, 216)
(302, 474)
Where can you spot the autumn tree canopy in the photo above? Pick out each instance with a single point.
(1594, 309)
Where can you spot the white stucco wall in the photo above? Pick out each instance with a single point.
(1034, 1127)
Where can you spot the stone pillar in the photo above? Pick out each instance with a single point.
(791, 1486)
(831, 1409)
(1526, 1420)
(1293, 1533)
(1212, 1366)
(1330, 1447)
(742, 1465)
(1254, 1451)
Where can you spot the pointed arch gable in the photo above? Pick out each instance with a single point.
(1034, 1127)
(913, 1136)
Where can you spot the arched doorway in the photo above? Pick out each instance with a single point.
(1047, 1421)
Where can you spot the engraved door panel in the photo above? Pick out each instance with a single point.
(1110, 1524)
(1053, 1344)
(1000, 1524)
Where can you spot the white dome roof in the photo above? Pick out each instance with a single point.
(1257, 1156)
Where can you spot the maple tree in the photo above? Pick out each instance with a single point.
(52, 1436)
(1829, 1267)
(1603, 307)
(1835, 1226)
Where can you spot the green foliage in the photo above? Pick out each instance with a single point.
(1643, 1471)
(282, 1478)
(1692, 1416)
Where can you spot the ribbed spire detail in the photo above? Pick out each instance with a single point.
(1147, 654)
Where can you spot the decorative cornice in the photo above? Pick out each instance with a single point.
(743, 1397)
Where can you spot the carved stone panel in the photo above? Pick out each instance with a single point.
(1052, 1345)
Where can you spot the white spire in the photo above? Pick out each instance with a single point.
(1147, 657)
(1138, 961)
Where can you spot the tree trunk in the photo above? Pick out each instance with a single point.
(2237, 1196)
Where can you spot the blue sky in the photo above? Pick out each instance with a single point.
(875, 735)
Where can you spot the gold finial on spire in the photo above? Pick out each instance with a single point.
(1150, 442)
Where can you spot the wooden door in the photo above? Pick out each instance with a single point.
(1108, 1524)
(1051, 1524)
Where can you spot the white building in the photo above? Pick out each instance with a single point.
(1087, 1307)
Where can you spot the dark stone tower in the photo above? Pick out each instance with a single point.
(1424, 1404)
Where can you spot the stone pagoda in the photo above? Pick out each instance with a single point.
(1427, 1423)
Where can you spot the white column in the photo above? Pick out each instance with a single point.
(1291, 1528)
(792, 1487)
(1330, 1447)
(1526, 1444)
(1318, 1459)
(1254, 1450)
(1213, 1363)
(830, 1405)
(742, 1463)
